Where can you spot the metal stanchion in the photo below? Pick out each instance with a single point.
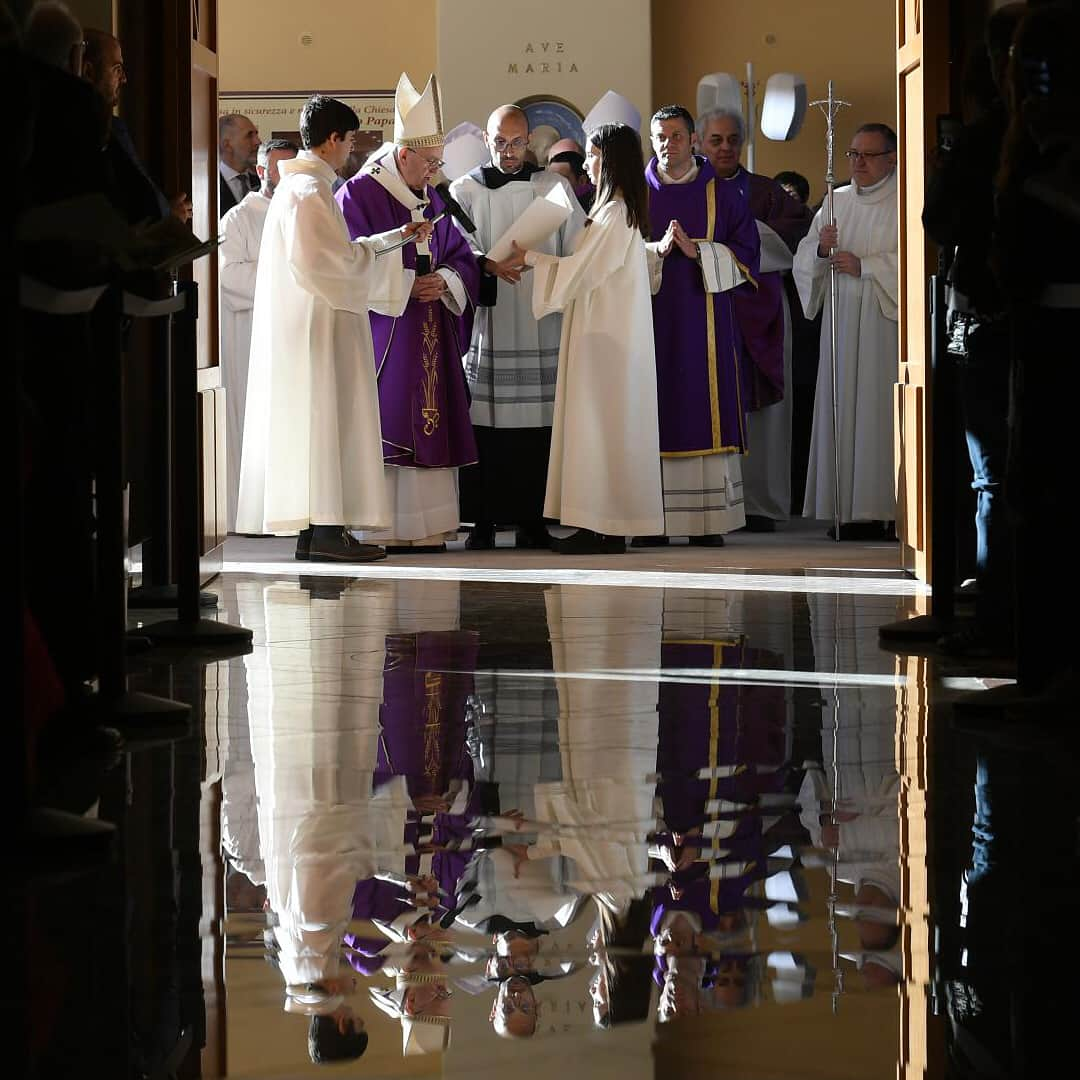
(158, 589)
(189, 627)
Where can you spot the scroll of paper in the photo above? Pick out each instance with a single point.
(719, 267)
(537, 222)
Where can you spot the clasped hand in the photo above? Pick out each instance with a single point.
(428, 287)
(675, 236)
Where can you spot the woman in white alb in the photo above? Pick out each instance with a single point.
(604, 469)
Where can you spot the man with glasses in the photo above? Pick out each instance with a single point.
(862, 249)
(512, 357)
(423, 402)
(135, 193)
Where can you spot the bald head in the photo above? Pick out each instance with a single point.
(508, 114)
(507, 138)
(103, 65)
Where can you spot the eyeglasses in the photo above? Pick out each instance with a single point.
(502, 145)
(431, 163)
(864, 155)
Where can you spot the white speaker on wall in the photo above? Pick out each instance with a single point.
(784, 107)
(719, 91)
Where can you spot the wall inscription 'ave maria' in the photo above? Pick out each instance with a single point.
(542, 58)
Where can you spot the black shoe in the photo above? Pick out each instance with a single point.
(532, 537)
(712, 540)
(587, 542)
(415, 549)
(650, 541)
(303, 545)
(339, 545)
(758, 523)
(482, 538)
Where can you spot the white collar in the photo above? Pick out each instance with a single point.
(874, 187)
(228, 171)
(308, 162)
(688, 177)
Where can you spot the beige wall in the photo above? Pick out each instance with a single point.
(577, 50)
(355, 44)
(850, 41)
(365, 45)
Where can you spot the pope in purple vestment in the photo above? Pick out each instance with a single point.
(423, 401)
(706, 380)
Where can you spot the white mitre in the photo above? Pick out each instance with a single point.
(417, 117)
(464, 150)
(612, 108)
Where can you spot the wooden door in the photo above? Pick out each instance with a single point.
(922, 66)
(170, 104)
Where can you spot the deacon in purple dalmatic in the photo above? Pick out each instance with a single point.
(706, 377)
(423, 401)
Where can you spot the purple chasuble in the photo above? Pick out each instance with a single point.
(423, 400)
(705, 380)
(427, 680)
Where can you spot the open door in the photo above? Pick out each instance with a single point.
(922, 68)
(923, 93)
(171, 108)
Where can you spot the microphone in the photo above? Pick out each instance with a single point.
(454, 207)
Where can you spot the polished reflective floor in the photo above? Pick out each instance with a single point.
(627, 823)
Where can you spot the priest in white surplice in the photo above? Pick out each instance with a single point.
(312, 458)
(513, 356)
(238, 258)
(863, 247)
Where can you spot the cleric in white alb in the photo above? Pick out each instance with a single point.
(238, 258)
(865, 240)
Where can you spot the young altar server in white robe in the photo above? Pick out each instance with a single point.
(238, 258)
(312, 458)
(604, 469)
(862, 246)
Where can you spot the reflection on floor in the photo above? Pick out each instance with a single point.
(518, 817)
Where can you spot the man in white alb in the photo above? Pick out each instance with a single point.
(862, 246)
(312, 457)
(238, 257)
